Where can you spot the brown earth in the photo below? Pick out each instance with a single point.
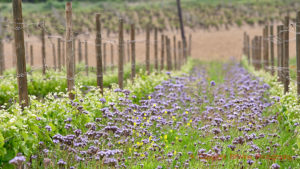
(206, 45)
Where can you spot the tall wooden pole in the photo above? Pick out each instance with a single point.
(112, 56)
(69, 51)
(132, 41)
(272, 48)
(279, 42)
(54, 56)
(63, 54)
(162, 52)
(31, 55)
(121, 54)
(182, 29)
(86, 58)
(99, 53)
(59, 53)
(20, 51)
(175, 50)
(148, 49)
(79, 51)
(286, 55)
(43, 47)
(155, 49)
(298, 51)
(2, 61)
(104, 57)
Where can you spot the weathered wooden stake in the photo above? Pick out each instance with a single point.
(298, 51)
(132, 41)
(69, 51)
(286, 55)
(169, 61)
(148, 49)
(121, 54)
(182, 29)
(175, 50)
(162, 52)
(54, 56)
(260, 52)
(266, 48)
(155, 50)
(59, 53)
(190, 45)
(179, 51)
(79, 51)
(112, 56)
(63, 54)
(99, 53)
(104, 57)
(20, 51)
(26, 52)
(279, 52)
(31, 56)
(128, 50)
(86, 58)
(2, 61)
(272, 48)
(43, 47)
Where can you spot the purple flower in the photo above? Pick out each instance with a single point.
(48, 128)
(275, 166)
(102, 100)
(18, 160)
(212, 83)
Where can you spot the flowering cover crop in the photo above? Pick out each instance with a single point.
(184, 123)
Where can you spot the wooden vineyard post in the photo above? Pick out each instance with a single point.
(282, 53)
(79, 51)
(54, 56)
(179, 53)
(20, 52)
(59, 54)
(128, 51)
(155, 50)
(162, 52)
(43, 47)
(86, 58)
(253, 52)
(2, 60)
(248, 48)
(279, 42)
(63, 54)
(69, 51)
(169, 61)
(31, 56)
(104, 57)
(74, 52)
(121, 54)
(148, 49)
(190, 45)
(132, 41)
(174, 50)
(244, 43)
(112, 56)
(99, 53)
(26, 53)
(265, 48)
(298, 51)
(182, 30)
(286, 55)
(272, 48)
(259, 52)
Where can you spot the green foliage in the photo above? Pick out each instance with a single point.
(288, 107)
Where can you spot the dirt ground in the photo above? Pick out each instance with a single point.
(206, 45)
